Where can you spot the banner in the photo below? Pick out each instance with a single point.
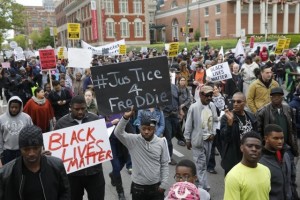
(47, 59)
(73, 31)
(80, 146)
(173, 49)
(142, 83)
(94, 20)
(79, 58)
(280, 46)
(109, 49)
(219, 72)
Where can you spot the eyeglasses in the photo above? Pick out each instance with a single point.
(207, 94)
(237, 101)
(184, 178)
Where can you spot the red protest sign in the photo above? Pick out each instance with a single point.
(80, 146)
(47, 59)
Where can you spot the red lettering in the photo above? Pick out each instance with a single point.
(63, 156)
(81, 153)
(74, 137)
(78, 135)
(108, 155)
(89, 134)
(54, 142)
(72, 163)
(81, 163)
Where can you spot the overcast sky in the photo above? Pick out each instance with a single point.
(30, 2)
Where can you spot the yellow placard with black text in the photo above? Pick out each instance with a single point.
(287, 44)
(280, 45)
(173, 49)
(73, 31)
(122, 49)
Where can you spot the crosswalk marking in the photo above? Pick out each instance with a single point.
(177, 153)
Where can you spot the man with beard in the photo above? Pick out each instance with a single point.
(259, 90)
(248, 179)
(90, 179)
(32, 175)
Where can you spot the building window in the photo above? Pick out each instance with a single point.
(218, 27)
(218, 9)
(206, 11)
(174, 4)
(138, 28)
(123, 4)
(124, 26)
(206, 29)
(175, 31)
(110, 28)
(137, 6)
(109, 6)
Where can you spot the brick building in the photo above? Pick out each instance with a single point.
(217, 19)
(112, 20)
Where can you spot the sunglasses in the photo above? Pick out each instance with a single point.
(237, 101)
(207, 94)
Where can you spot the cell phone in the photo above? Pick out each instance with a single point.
(229, 104)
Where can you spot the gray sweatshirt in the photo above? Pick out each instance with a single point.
(149, 159)
(10, 127)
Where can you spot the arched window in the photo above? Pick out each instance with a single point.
(124, 28)
(138, 28)
(175, 29)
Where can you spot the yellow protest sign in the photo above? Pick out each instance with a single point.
(122, 49)
(173, 49)
(73, 31)
(60, 53)
(287, 44)
(280, 45)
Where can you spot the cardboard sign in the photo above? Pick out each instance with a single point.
(47, 59)
(173, 49)
(73, 31)
(280, 46)
(80, 146)
(143, 83)
(122, 49)
(80, 58)
(219, 72)
(5, 65)
(109, 49)
(19, 54)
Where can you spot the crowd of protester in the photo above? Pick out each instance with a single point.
(247, 119)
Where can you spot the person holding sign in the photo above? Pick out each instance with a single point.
(90, 179)
(150, 158)
(34, 175)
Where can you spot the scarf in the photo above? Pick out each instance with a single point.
(39, 101)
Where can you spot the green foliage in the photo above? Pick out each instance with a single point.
(46, 39)
(35, 38)
(21, 40)
(295, 38)
(197, 35)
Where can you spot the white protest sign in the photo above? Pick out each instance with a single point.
(8, 54)
(109, 49)
(13, 44)
(19, 54)
(5, 65)
(144, 49)
(80, 146)
(79, 58)
(219, 72)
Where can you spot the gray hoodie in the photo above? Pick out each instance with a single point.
(10, 127)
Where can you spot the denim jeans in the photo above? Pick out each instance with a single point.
(171, 129)
(146, 192)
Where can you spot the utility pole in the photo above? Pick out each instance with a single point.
(266, 20)
(187, 22)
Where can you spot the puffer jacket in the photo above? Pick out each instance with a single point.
(53, 179)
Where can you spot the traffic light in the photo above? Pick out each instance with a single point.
(191, 30)
(182, 29)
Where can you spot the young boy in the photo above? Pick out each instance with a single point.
(186, 171)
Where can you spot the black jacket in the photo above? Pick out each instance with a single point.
(68, 121)
(280, 174)
(60, 110)
(230, 135)
(52, 175)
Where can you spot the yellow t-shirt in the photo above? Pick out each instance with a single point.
(245, 183)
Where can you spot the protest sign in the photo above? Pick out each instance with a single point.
(79, 58)
(13, 44)
(287, 43)
(5, 65)
(173, 49)
(80, 146)
(239, 49)
(19, 54)
(219, 72)
(122, 49)
(62, 53)
(47, 59)
(73, 31)
(280, 46)
(109, 49)
(143, 83)
(144, 50)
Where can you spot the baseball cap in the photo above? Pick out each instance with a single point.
(277, 90)
(206, 89)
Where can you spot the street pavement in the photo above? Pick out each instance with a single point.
(216, 181)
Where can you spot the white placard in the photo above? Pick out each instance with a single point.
(13, 44)
(80, 146)
(19, 54)
(219, 72)
(109, 49)
(79, 58)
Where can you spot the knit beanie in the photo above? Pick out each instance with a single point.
(30, 135)
(183, 190)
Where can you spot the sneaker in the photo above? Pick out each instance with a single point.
(129, 170)
(181, 143)
(112, 180)
(173, 162)
(212, 171)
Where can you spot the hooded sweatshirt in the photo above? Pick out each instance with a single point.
(10, 127)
